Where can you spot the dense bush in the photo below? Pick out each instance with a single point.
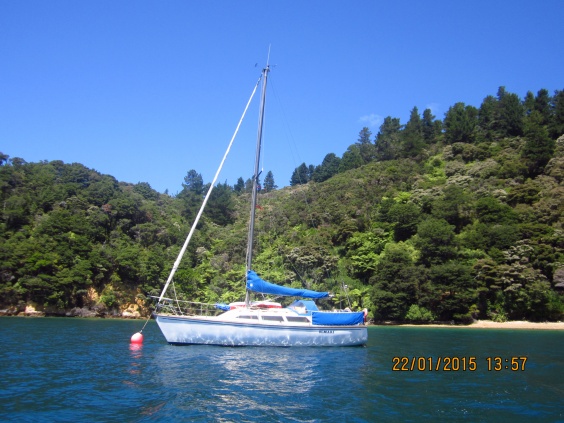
(452, 220)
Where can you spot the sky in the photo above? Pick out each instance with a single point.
(147, 90)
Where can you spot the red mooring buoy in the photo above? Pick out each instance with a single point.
(137, 338)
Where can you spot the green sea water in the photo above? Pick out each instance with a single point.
(75, 370)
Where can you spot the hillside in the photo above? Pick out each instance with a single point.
(432, 220)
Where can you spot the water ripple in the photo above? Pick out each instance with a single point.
(69, 370)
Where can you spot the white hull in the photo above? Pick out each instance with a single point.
(217, 331)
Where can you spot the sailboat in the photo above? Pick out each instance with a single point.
(263, 322)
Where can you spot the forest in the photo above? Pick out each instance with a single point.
(447, 220)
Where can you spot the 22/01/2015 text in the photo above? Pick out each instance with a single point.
(455, 364)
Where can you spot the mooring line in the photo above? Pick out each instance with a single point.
(145, 323)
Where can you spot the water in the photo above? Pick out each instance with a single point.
(70, 370)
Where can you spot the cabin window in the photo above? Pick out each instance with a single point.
(297, 319)
(247, 317)
(273, 318)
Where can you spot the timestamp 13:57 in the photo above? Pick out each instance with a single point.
(510, 363)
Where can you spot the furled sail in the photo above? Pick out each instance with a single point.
(256, 284)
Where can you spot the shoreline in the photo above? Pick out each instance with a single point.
(479, 324)
(489, 324)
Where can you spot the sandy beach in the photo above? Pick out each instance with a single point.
(485, 324)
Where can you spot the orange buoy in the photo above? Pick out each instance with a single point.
(137, 338)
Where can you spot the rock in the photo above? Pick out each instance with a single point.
(81, 312)
(30, 311)
(128, 314)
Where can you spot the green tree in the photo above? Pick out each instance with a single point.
(145, 190)
(511, 113)
(220, 208)
(16, 211)
(269, 184)
(454, 206)
(363, 250)
(367, 150)
(491, 210)
(193, 182)
(460, 123)
(397, 283)
(404, 217)
(512, 288)
(529, 103)
(3, 158)
(539, 147)
(301, 175)
(351, 159)
(102, 188)
(492, 238)
(556, 128)
(430, 127)
(18, 162)
(488, 118)
(328, 168)
(249, 185)
(452, 291)
(239, 186)
(436, 241)
(388, 139)
(192, 194)
(412, 135)
(419, 314)
(543, 106)
(364, 136)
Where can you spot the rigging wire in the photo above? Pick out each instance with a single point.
(183, 249)
(294, 152)
(292, 146)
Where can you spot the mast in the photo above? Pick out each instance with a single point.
(256, 173)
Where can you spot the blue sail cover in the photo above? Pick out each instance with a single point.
(256, 284)
(221, 306)
(337, 319)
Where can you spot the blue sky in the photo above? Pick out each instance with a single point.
(147, 90)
